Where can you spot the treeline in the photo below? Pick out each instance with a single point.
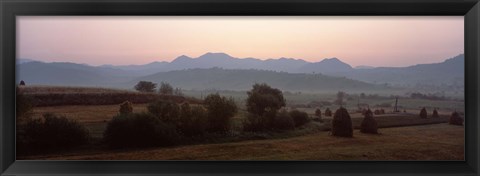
(60, 99)
(165, 122)
(59, 96)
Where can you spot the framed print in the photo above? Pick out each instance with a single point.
(253, 87)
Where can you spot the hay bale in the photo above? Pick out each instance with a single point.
(455, 119)
(369, 124)
(435, 113)
(423, 113)
(126, 108)
(328, 112)
(342, 123)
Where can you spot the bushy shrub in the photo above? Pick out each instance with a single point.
(435, 113)
(342, 123)
(328, 112)
(139, 130)
(369, 124)
(51, 132)
(220, 111)
(126, 107)
(257, 123)
(193, 120)
(455, 119)
(382, 111)
(423, 113)
(283, 121)
(253, 123)
(300, 118)
(165, 110)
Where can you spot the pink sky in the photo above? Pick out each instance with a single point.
(374, 41)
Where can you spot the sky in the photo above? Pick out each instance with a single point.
(356, 40)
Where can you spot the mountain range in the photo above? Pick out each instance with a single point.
(207, 66)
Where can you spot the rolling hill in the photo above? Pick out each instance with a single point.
(229, 72)
(242, 79)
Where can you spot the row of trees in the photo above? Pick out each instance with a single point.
(168, 123)
(164, 89)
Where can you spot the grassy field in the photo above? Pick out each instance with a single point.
(404, 135)
(96, 117)
(427, 142)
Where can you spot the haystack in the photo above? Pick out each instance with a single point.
(369, 124)
(342, 123)
(328, 112)
(435, 113)
(455, 119)
(126, 108)
(423, 113)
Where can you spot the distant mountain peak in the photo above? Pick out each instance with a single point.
(181, 58)
(216, 55)
(333, 59)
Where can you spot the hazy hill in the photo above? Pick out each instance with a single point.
(332, 65)
(64, 73)
(235, 79)
(222, 60)
(445, 73)
(449, 72)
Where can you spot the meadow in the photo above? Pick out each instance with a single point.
(426, 142)
(403, 135)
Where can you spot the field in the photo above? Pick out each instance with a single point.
(96, 117)
(403, 135)
(427, 142)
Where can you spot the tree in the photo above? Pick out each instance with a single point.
(165, 110)
(145, 86)
(22, 83)
(340, 97)
(192, 120)
(165, 88)
(220, 111)
(263, 98)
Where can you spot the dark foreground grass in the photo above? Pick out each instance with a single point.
(426, 142)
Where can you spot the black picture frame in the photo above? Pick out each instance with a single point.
(470, 9)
